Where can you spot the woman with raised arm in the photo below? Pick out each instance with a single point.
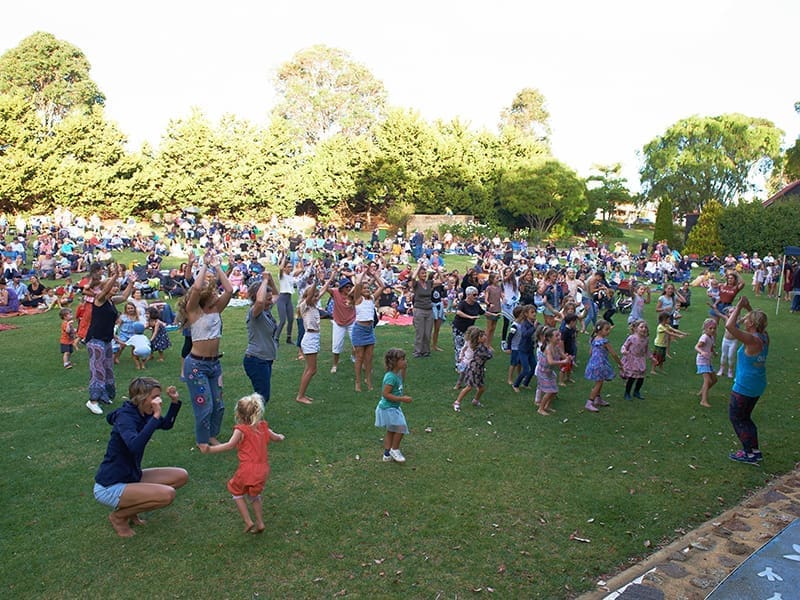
(102, 387)
(751, 377)
(200, 309)
(365, 297)
(262, 336)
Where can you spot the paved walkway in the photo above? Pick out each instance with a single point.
(691, 567)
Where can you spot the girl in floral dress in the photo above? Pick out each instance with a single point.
(599, 368)
(475, 374)
(634, 358)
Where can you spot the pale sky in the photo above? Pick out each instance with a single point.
(615, 74)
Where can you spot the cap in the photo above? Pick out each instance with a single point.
(345, 281)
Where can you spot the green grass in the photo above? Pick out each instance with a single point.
(487, 499)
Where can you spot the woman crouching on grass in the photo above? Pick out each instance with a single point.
(120, 482)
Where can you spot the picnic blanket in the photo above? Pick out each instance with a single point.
(399, 320)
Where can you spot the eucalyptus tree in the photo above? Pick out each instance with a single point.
(709, 158)
(528, 114)
(51, 74)
(324, 92)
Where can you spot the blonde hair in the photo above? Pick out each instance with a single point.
(759, 320)
(140, 389)
(708, 322)
(250, 409)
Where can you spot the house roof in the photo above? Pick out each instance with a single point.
(790, 190)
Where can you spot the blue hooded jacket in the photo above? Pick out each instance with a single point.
(129, 436)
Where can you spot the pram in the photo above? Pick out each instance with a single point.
(623, 299)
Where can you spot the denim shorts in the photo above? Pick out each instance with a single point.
(438, 311)
(310, 342)
(109, 495)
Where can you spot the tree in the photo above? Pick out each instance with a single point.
(19, 163)
(704, 237)
(544, 193)
(85, 165)
(324, 92)
(709, 158)
(52, 75)
(528, 114)
(792, 159)
(606, 188)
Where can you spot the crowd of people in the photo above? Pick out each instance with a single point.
(537, 301)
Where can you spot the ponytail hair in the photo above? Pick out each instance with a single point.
(599, 326)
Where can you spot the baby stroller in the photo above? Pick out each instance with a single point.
(623, 299)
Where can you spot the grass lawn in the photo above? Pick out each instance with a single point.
(486, 501)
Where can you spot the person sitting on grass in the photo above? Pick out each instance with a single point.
(120, 482)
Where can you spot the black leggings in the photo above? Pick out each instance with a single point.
(739, 411)
(629, 384)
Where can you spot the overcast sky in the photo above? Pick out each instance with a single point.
(615, 74)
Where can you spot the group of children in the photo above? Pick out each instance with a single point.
(129, 333)
(548, 353)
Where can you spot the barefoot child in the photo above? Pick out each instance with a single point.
(475, 375)
(634, 358)
(68, 336)
(598, 368)
(727, 354)
(389, 414)
(664, 333)
(705, 351)
(251, 438)
(549, 358)
(309, 312)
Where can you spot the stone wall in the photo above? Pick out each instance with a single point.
(427, 223)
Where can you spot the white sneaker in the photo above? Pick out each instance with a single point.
(94, 407)
(387, 457)
(397, 455)
(333, 369)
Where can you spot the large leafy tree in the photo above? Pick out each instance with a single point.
(543, 193)
(325, 92)
(51, 74)
(528, 114)
(709, 158)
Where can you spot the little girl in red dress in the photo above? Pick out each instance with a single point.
(251, 436)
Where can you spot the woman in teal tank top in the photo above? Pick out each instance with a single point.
(750, 380)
